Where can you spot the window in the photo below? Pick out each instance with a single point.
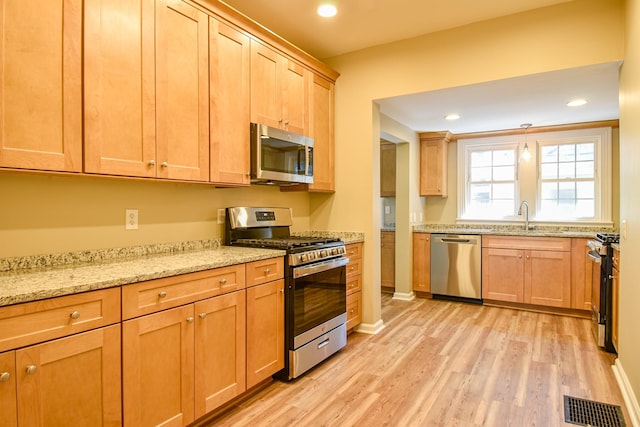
(568, 178)
(492, 181)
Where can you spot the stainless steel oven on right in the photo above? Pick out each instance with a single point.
(599, 250)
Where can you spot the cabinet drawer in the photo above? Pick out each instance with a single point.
(33, 322)
(354, 268)
(264, 271)
(155, 295)
(354, 315)
(354, 284)
(527, 243)
(387, 237)
(354, 250)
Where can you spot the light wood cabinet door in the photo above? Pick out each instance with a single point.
(158, 368)
(8, 392)
(434, 163)
(422, 262)
(41, 85)
(71, 381)
(182, 91)
(119, 87)
(503, 274)
(387, 170)
(295, 98)
(581, 275)
(279, 90)
(265, 331)
(229, 56)
(321, 126)
(219, 351)
(388, 259)
(547, 278)
(354, 305)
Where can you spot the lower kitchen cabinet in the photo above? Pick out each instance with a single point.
(388, 259)
(220, 350)
(422, 262)
(69, 381)
(581, 275)
(354, 285)
(530, 270)
(158, 368)
(265, 331)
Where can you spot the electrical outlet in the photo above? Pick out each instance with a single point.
(220, 216)
(131, 219)
(387, 210)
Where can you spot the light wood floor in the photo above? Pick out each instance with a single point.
(440, 363)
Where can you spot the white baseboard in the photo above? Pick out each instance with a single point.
(630, 400)
(404, 296)
(370, 328)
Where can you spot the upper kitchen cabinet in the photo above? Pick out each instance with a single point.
(433, 163)
(322, 131)
(146, 89)
(279, 90)
(41, 85)
(387, 170)
(229, 53)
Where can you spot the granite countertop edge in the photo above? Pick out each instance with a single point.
(511, 230)
(19, 286)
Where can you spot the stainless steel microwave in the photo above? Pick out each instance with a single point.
(278, 156)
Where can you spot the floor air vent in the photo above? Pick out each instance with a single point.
(589, 413)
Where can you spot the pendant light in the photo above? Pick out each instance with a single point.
(526, 155)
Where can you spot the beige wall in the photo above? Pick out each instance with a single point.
(577, 33)
(45, 214)
(629, 351)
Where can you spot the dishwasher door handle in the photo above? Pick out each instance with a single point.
(448, 240)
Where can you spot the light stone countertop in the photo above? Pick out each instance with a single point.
(512, 230)
(25, 285)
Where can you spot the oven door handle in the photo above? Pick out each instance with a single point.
(319, 267)
(596, 258)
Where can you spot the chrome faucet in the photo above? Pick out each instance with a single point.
(526, 214)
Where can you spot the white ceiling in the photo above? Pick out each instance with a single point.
(538, 99)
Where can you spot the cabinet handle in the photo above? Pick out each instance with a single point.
(286, 122)
(520, 256)
(352, 285)
(162, 294)
(190, 319)
(31, 369)
(528, 257)
(280, 120)
(152, 163)
(74, 315)
(164, 164)
(351, 252)
(427, 239)
(351, 311)
(4, 377)
(267, 271)
(223, 281)
(202, 315)
(282, 290)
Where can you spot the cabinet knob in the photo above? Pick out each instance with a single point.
(202, 315)
(282, 290)
(162, 294)
(286, 122)
(520, 256)
(351, 311)
(152, 163)
(267, 271)
(190, 319)
(31, 369)
(528, 257)
(280, 120)
(75, 315)
(223, 281)
(427, 239)
(4, 377)
(164, 164)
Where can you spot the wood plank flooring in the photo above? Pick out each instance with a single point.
(440, 363)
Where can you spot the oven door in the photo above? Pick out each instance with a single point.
(318, 295)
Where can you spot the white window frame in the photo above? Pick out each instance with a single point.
(528, 173)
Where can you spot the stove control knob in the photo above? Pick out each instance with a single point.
(312, 256)
(303, 258)
(334, 251)
(323, 253)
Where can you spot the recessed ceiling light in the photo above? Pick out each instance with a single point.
(327, 10)
(452, 116)
(576, 102)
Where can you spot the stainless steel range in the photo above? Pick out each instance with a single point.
(601, 253)
(315, 284)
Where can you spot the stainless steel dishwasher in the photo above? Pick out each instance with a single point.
(456, 267)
